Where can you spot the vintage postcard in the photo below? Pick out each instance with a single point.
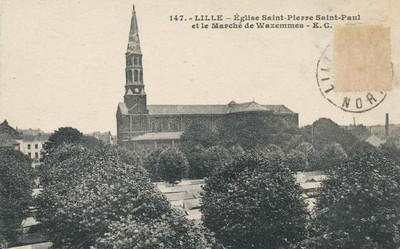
(181, 84)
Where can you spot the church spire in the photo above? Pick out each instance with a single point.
(134, 44)
(135, 95)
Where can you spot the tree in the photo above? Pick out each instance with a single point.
(195, 156)
(62, 135)
(170, 231)
(198, 134)
(296, 160)
(150, 163)
(214, 157)
(313, 156)
(173, 165)
(194, 141)
(248, 132)
(106, 200)
(324, 131)
(390, 150)
(16, 181)
(331, 155)
(254, 202)
(359, 205)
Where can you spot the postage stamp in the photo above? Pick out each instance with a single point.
(356, 73)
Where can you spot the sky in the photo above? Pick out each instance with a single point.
(63, 61)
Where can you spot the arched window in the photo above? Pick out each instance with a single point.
(129, 75)
(129, 61)
(141, 76)
(140, 61)
(153, 126)
(135, 75)
(135, 62)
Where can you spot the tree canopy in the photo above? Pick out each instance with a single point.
(62, 135)
(324, 131)
(254, 202)
(16, 182)
(103, 197)
(247, 132)
(359, 205)
(173, 165)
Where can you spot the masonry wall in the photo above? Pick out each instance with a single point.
(129, 126)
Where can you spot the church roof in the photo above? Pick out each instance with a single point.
(232, 107)
(246, 107)
(187, 109)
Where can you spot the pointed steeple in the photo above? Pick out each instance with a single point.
(133, 43)
(135, 94)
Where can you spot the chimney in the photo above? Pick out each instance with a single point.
(354, 121)
(387, 126)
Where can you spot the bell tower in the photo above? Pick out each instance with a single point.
(135, 97)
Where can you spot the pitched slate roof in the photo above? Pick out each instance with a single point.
(232, 107)
(5, 128)
(6, 140)
(187, 109)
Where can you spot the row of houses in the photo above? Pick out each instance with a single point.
(28, 141)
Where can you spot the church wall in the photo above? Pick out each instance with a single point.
(170, 123)
(132, 125)
(146, 146)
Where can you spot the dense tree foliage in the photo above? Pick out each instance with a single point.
(195, 157)
(194, 141)
(296, 160)
(62, 135)
(198, 134)
(103, 197)
(16, 182)
(248, 132)
(359, 205)
(390, 150)
(214, 157)
(254, 202)
(360, 131)
(173, 165)
(324, 131)
(150, 163)
(331, 155)
(170, 231)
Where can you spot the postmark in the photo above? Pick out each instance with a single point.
(355, 73)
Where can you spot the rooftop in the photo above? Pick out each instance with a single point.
(232, 107)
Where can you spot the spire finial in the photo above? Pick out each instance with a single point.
(134, 44)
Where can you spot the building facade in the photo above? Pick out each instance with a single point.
(30, 141)
(142, 126)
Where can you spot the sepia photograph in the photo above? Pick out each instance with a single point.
(199, 124)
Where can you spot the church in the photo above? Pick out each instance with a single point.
(142, 127)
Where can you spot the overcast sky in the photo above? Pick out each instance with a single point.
(63, 61)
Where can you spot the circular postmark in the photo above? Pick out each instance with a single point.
(356, 102)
